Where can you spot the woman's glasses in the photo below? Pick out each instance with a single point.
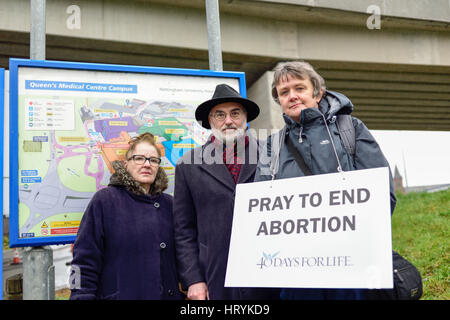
(139, 159)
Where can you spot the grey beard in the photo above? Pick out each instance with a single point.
(228, 139)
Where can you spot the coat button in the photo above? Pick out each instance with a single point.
(156, 205)
(162, 245)
(170, 292)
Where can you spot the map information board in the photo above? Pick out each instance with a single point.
(73, 123)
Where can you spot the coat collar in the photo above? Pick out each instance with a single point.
(122, 178)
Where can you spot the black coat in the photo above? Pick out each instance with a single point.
(203, 215)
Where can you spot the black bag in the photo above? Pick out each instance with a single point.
(407, 282)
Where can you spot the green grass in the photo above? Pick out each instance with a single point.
(421, 233)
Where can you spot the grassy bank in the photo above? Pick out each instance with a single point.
(421, 233)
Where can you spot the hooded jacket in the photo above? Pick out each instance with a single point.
(124, 247)
(312, 139)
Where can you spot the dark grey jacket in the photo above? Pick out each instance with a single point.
(311, 138)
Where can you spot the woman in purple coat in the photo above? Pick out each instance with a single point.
(124, 247)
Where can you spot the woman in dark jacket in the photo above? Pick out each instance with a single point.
(124, 247)
(310, 112)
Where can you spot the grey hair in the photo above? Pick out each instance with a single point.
(297, 69)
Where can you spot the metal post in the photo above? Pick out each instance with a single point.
(37, 29)
(214, 41)
(38, 269)
(38, 274)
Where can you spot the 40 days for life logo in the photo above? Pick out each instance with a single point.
(271, 260)
(267, 260)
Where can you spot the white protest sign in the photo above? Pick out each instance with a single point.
(319, 231)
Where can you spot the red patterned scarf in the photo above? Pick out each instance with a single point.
(231, 159)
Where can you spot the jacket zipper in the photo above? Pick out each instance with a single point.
(396, 271)
(300, 139)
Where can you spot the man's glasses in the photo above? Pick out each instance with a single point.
(234, 114)
(138, 159)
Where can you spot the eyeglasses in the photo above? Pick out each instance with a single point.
(139, 159)
(234, 114)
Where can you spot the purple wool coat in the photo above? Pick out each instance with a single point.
(124, 247)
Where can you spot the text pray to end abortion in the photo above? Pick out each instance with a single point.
(306, 200)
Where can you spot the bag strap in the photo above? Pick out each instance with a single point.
(298, 157)
(347, 132)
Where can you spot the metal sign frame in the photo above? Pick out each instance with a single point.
(2, 113)
(15, 65)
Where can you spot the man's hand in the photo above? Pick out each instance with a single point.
(198, 291)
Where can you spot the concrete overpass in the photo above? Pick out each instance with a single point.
(398, 76)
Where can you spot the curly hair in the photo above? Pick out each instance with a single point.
(144, 137)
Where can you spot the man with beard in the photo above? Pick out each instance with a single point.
(205, 184)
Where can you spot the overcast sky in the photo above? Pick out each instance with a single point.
(425, 154)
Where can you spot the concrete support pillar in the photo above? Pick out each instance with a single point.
(270, 116)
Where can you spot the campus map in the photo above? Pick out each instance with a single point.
(67, 144)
